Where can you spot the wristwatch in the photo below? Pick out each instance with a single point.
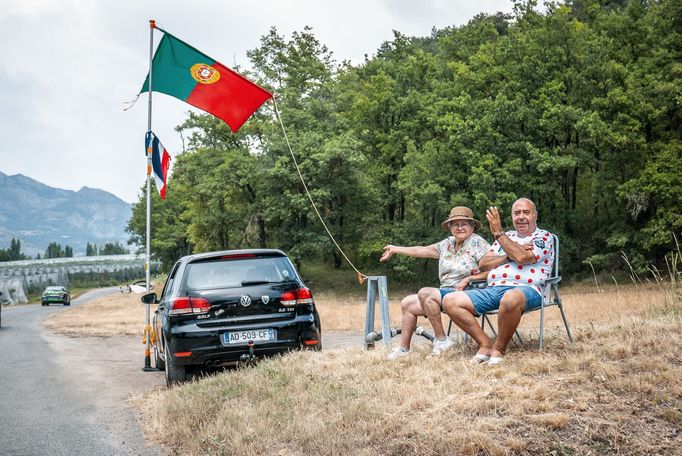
(498, 235)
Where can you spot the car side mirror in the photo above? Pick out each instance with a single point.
(149, 298)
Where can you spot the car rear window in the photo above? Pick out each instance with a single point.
(236, 273)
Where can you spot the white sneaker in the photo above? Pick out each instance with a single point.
(441, 346)
(398, 352)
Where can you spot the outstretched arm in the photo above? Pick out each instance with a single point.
(418, 251)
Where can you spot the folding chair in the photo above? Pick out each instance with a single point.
(550, 297)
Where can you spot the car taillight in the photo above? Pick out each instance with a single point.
(187, 306)
(287, 299)
(304, 296)
(300, 296)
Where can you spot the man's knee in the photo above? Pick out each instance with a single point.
(513, 301)
(455, 301)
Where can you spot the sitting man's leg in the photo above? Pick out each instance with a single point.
(512, 306)
(411, 309)
(460, 308)
(430, 300)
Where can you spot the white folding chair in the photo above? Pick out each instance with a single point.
(550, 297)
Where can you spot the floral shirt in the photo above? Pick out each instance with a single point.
(530, 275)
(454, 266)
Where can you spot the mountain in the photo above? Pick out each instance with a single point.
(38, 214)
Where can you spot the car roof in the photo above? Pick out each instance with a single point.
(53, 288)
(221, 253)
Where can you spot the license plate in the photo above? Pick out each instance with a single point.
(243, 337)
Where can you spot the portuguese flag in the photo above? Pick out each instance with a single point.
(182, 72)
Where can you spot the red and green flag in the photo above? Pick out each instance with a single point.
(182, 72)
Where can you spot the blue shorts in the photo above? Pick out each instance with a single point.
(444, 291)
(488, 299)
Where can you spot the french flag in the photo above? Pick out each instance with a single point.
(160, 161)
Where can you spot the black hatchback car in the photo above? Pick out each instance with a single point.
(222, 308)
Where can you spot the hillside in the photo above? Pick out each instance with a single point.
(38, 214)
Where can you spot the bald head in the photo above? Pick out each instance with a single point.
(524, 216)
(527, 201)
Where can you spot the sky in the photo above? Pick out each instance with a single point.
(69, 66)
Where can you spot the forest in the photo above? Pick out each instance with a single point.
(576, 105)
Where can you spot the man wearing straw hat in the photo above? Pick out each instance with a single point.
(458, 257)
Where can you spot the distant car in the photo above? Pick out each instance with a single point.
(56, 295)
(221, 308)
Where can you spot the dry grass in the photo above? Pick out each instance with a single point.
(617, 390)
(113, 315)
(123, 314)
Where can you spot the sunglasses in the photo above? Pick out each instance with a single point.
(459, 224)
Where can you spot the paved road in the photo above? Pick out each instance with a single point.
(53, 403)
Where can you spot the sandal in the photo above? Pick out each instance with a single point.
(479, 358)
(495, 361)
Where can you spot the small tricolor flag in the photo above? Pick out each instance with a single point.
(160, 161)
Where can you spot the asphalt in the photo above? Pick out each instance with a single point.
(53, 400)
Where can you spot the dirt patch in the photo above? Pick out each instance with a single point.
(108, 373)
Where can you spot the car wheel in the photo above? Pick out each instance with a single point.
(158, 362)
(174, 374)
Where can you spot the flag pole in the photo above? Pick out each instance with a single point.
(147, 328)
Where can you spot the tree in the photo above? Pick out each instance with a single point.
(113, 248)
(91, 249)
(54, 250)
(576, 107)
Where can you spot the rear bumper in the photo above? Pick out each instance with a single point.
(207, 349)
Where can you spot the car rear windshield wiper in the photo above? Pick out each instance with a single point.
(246, 283)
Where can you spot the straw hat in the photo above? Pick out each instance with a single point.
(461, 213)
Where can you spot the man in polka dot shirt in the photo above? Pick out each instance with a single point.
(519, 262)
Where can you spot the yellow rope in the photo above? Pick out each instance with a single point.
(152, 335)
(361, 277)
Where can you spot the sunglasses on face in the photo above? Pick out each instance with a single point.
(459, 224)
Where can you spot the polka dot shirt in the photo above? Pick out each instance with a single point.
(454, 266)
(529, 275)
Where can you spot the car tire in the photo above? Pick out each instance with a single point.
(158, 362)
(67, 301)
(174, 374)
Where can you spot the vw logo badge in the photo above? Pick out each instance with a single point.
(245, 300)
(265, 299)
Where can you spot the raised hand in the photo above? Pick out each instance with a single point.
(494, 220)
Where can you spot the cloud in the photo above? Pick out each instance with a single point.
(68, 66)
